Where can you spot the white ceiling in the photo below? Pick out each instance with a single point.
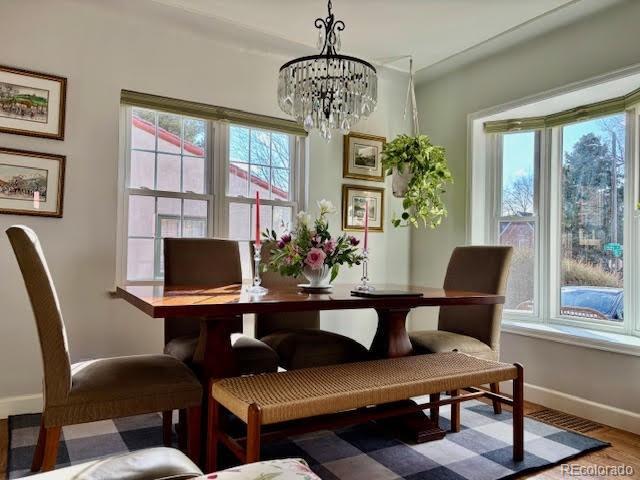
(380, 30)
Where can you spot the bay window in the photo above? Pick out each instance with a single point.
(563, 191)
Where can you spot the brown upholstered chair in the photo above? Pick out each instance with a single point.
(95, 389)
(208, 262)
(296, 336)
(474, 330)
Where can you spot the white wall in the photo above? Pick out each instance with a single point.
(591, 47)
(101, 50)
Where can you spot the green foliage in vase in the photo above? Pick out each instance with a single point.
(422, 202)
(311, 245)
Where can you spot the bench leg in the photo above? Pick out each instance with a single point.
(518, 415)
(38, 455)
(497, 406)
(434, 413)
(194, 417)
(253, 433)
(213, 434)
(51, 443)
(167, 427)
(455, 413)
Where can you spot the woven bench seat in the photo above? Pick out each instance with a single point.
(276, 398)
(316, 391)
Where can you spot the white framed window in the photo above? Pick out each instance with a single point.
(566, 197)
(182, 176)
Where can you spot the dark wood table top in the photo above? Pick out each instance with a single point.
(160, 301)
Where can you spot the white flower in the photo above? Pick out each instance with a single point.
(304, 218)
(325, 207)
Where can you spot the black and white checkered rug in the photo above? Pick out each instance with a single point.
(480, 451)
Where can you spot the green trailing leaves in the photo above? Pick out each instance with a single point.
(422, 203)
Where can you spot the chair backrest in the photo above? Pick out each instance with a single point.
(267, 323)
(46, 310)
(480, 269)
(197, 262)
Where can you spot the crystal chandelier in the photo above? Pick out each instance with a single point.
(328, 91)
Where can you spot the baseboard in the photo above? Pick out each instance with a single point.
(20, 404)
(581, 407)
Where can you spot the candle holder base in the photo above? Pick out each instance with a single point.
(257, 290)
(364, 285)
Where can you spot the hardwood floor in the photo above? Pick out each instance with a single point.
(625, 450)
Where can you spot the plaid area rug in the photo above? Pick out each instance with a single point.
(480, 451)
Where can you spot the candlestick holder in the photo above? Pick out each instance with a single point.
(364, 285)
(257, 288)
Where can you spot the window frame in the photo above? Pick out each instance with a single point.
(549, 223)
(216, 178)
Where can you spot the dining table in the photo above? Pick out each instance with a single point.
(219, 307)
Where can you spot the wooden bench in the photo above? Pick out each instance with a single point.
(341, 395)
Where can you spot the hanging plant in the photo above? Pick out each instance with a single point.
(422, 171)
(419, 170)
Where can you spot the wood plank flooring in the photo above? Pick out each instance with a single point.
(625, 450)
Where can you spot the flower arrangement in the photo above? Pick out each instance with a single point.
(311, 250)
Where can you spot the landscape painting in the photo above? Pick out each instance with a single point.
(32, 103)
(23, 183)
(354, 204)
(17, 101)
(362, 157)
(31, 183)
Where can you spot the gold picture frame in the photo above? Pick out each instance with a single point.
(354, 198)
(362, 157)
(31, 183)
(32, 103)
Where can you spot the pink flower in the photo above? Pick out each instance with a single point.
(315, 258)
(329, 246)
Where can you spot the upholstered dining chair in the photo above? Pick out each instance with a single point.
(209, 262)
(96, 389)
(296, 336)
(474, 330)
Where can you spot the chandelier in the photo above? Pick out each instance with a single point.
(328, 91)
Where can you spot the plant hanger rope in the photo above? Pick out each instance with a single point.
(411, 99)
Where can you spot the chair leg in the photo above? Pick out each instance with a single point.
(497, 406)
(181, 429)
(213, 434)
(167, 427)
(518, 415)
(194, 417)
(253, 433)
(51, 443)
(38, 455)
(434, 413)
(455, 413)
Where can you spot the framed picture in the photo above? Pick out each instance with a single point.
(31, 183)
(354, 201)
(32, 103)
(362, 157)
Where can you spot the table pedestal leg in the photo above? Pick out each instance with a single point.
(391, 341)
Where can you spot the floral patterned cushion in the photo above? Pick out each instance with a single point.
(287, 469)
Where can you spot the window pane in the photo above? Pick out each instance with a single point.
(593, 180)
(238, 179)
(260, 147)
(518, 166)
(193, 176)
(520, 286)
(280, 184)
(239, 221)
(169, 206)
(168, 172)
(140, 255)
(280, 150)
(195, 208)
(143, 167)
(169, 227)
(260, 181)
(169, 129)
(142, 213)
(265, 219)
(143, 129)
(195, 137)
(239, 144)
(282, 219)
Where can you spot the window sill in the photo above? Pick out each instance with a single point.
(581, 337)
